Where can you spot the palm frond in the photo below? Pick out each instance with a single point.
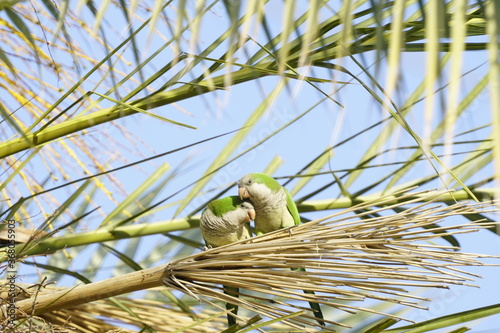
(332, 89)
(348, 260)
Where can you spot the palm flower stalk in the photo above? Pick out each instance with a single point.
(357, 254)
(107, 315)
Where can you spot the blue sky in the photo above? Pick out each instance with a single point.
(325, 125)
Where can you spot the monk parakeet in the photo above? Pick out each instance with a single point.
(273, 203)
(275, 209)
(223, 222)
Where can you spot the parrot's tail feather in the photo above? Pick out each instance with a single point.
(316, 309)
(231, 319)
(314, 306)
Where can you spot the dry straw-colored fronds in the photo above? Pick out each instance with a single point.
(108, 315)
(358, 254)
(94, 317)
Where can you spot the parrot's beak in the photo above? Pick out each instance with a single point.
(251, 214)
(243, 193)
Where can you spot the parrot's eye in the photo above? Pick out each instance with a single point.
(249, 181)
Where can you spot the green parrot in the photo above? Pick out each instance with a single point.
(275, 209)
(223, 222)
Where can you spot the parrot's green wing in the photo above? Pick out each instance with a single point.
(292, 208)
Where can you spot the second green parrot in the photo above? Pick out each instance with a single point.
(275, 209)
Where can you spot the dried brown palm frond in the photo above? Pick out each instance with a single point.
(349, 257)
(108, 315)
